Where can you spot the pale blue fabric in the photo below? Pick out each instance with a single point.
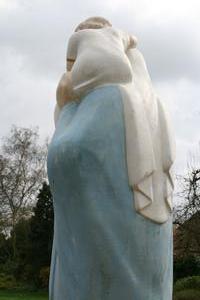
(103, 249)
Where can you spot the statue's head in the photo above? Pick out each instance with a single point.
(93, 23)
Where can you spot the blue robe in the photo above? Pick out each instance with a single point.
(102, 249)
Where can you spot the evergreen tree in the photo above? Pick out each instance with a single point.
(41, 232)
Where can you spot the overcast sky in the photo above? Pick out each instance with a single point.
(33, 40)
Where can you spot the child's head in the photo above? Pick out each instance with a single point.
(93, 23)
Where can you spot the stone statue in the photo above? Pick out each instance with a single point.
(109, 167)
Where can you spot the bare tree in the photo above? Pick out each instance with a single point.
(22, 170)
(190, 195)
(187, 213)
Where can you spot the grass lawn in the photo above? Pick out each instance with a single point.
(12, 295)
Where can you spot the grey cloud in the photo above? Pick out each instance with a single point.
(181, 98)
(172, 52)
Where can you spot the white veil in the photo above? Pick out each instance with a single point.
(150, 144)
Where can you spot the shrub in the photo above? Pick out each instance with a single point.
(184, 267)
(7, 281)
(192, 282)
(187, 295)
(44, 276)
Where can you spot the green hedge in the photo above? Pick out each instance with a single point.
(187, 295)
(192, 282)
